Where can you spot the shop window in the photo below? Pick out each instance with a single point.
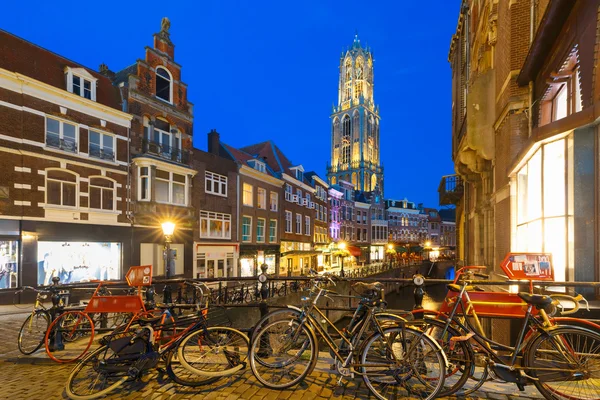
(288, 222)
(9, 264)
(273, 231)
(78, 261)
(261, 198)
(215, 225)
(163, 84)
(246, 229)
(61, 135)
(215, 183)
(247, 195)
(273, 201)
(170, 188)
(247, 266)
(260, 230)
(61, 188)
(102, 194)
(144, 184)
(101, 145)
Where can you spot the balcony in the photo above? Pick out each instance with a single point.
(65, 144)
(167, 152)
(103, 154)
(451, 190)
(340, 167)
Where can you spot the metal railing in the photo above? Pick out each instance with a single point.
(165, 151)
(451, 189)
(66, 144)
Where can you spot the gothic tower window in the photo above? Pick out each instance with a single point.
(346, 139)
(358, 92)
(348, 80)
(163, 84)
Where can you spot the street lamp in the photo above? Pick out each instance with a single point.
(168, 229)
(428, 247)
(342, 247)
(390, 252)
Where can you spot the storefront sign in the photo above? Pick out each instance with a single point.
(528, 266)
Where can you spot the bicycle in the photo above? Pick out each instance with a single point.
(193, 356)
(394, 362)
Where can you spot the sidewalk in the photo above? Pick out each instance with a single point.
(10, 309)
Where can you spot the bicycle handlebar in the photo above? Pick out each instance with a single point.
(574, 299)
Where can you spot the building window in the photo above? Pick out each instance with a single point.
(288, 222)
(261, 198)
(102, 194)
(163, 84)
(544, 220)
(166, 142)
(61, 135)
(299, 194)
(144, 184)
(246, 229)
(345, 156)
(560, 103)
(170, 188)
(102, 146)
(247, 196)
(215, 183)
(215, 225)
(274, 200)
(273, 231)
(299, 224)
(81, 85)
(307, 225)
(288, 192)
(61, 188)
(258, 165)
(260, 230)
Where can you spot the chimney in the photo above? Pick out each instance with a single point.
(103, 69)
(213, 142)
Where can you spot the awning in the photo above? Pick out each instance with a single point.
(354, 251)
(301, 252)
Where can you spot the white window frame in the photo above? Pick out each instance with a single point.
(299, 224)
(102, 135)
(61, 135)
(173, 137)
(102, 189)
(148, 183)
(288, 192)
(288, 222)
(247, 202)
(170, 101)
(249, 229)
(260, 239)
(273, 237)
(273, 205)
(216, 180)
(209, 216)
(171, 184)
(83, 76)
(46, 191)
(307, 225)
(261, 198)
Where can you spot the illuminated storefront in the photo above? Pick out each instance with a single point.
(215, 261)
(297, 258)
(9, 264)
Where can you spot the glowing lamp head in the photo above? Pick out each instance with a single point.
(428, 244)
(390, 246)
(342, 245)
(168, 228)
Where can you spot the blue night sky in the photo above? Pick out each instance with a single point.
(269, 70)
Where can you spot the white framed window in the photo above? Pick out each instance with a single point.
(261, 198)
(81, 83)
(273, 231)
(299, 194)
(299, 224)
(288, 222)
(560, 103)
(215, 183)
(62, 135)
(144, 183)
(164, 84)
(102, 193)
(165, 142)
(307, 225)
(62, 188)
(273, 201)
(246, 228)
(288, 192)
(248, 193)
(215, 225)
(170, 188)
(260, 230)
(101, 145)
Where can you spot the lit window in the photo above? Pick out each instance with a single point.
(102, 146)
(144, 184)
(247, 196)
(170, 188)
(559, 104)
(215, 183)
(61, 135)
(260, 230)
(246, 229)
(163, 84)
(215, 225)
(261, 198)
(61, 188)
(102, 194)
(288, 222)
(274, 200)
(345, 155)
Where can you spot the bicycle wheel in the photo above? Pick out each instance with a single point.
(78, 328)
(32, 332)
(283, 353)
(181, 375)
(89, 380)
(214, 351)
(403, 363)
(566, 363)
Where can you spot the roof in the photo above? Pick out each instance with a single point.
(243, 157)
(273, 157)
(122, 75)
(19, 55)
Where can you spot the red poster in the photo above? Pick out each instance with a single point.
(528, 266)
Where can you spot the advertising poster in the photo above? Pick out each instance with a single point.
(528, 266)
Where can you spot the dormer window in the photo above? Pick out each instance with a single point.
(299, 175)
(163, 84)
(81, 83)
(258, 165)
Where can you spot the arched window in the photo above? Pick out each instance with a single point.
(359, 74)
(102, 193)
(61, 188)
(346, 139)
(163, 84)
(348, 80)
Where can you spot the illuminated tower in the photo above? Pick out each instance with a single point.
(355, 124)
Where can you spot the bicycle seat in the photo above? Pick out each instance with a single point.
(369, 290)
(150, 320)
(457, 288)
(538, 300)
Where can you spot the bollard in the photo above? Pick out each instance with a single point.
(55, 340)
(167, 292)
(150, 295)
(262, 306)
(419, 293)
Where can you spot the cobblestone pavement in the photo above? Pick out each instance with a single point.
(37, 377)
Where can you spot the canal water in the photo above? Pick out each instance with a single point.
(405, 300)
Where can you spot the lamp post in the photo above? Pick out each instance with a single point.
(428, 248)
(168, 229)
(390, 249)
(342, 247)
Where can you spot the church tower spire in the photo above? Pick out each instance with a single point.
(355, 123)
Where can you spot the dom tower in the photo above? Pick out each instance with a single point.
(355, 124)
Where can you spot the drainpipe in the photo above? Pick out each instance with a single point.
(531, 32)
